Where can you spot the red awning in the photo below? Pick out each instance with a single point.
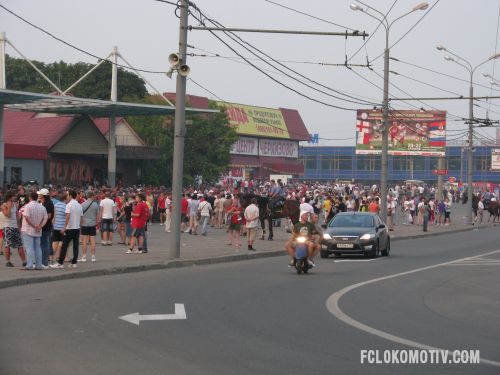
(244, 161)
(295, 168)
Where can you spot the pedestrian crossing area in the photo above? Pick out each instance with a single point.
(482, 262)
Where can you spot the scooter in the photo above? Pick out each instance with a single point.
(301, 253)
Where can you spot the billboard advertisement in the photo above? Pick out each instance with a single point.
(495, 159)
(274, 147)
(256, 121)
(265, 147)
(245, 146)
(411, 132)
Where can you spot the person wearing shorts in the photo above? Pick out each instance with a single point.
(234, 223)
(89, 222)
(58, 226)
(162, 207)
(12, 235)
(107, 217)
(140, 216)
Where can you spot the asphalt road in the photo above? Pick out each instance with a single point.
(260, 317)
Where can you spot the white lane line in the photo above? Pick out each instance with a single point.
(478, 262)
(332, 304)
(355, 260)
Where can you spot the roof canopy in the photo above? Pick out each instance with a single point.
(70, 105)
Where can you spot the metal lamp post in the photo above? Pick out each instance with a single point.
(385, 114)
(468, 66)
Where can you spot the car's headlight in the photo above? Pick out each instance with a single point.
(367, 236)
(326, 236)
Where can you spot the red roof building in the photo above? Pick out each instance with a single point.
(69, 149)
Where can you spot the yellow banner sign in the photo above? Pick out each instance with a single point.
(257, 121)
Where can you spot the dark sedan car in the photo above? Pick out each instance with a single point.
(356, 233)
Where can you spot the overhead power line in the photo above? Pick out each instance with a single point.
(233, 37)
(372, 34)
(263, 72)
(409, 30)
(70, 44)
(308, 15)
(259, 119)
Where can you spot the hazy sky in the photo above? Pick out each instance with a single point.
(146, 32)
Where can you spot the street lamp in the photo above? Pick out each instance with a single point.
(493, 80)
(468, 66)
(385, 105)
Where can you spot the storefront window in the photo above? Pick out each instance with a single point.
(310, 162)
(345, 164)
(454, 163)
(326, 162)
(418, 163)
(368, 162)
(399, 163)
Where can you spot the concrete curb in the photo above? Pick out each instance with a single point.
(178, 263)
(181, 263)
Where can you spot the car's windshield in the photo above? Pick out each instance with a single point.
(363, 221)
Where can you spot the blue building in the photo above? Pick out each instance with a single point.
(342, 163)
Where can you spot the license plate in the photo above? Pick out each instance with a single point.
(345, 246)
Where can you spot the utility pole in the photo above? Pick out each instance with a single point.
(440, 166)
(112, 121)
(2, 86)
(382, 18)
(471, 69)
(179, 134)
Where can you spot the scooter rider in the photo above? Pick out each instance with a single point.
(316, 237)
(305, 229)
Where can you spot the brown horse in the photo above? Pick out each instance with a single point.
(290, 209)
(494, 209)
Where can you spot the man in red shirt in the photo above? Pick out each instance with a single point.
(162, 208)
(374, 206)
(184, 212)
(140, 215)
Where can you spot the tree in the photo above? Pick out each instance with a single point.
(21, 76)
(206, 149)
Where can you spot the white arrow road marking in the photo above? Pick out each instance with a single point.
(356, 260)
(135, 318)
(332, 304)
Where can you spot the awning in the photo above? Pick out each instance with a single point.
(244, 161)
(275, 164)
(70, 105)
(289, 168)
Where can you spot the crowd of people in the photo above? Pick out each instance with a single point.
(41, 223)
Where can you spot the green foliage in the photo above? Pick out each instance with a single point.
(206, 147)
(208, 138)
(21, 76)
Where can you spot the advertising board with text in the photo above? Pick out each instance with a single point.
(256, 121)
(410, 132)
(265, 147)
(245, 146)
(495, 159)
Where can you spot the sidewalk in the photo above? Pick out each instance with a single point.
(195, 250)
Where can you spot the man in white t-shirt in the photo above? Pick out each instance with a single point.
(306, 207)
(72, 225)
(107, 217)
(252, 222)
